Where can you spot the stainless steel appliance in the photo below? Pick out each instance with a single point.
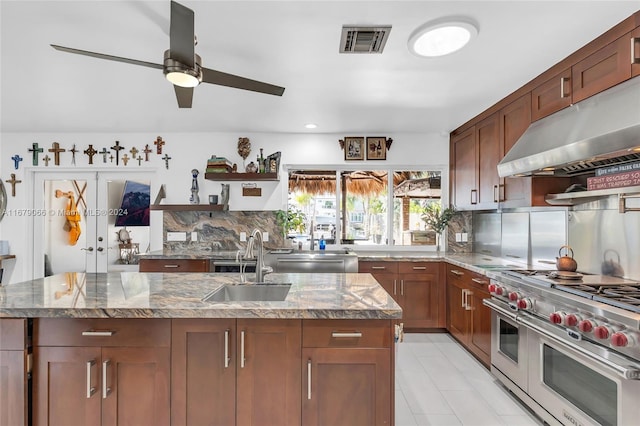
(568, 344)
(317, 261)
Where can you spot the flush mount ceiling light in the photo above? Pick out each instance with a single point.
(311, 126)
(442, 37)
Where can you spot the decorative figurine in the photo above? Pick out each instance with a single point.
(35, 150)
(195, 198)
(16, 161)
(244, 149)
(224, 196)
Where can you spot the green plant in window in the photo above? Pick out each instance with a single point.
(436, 217)
(293, 220)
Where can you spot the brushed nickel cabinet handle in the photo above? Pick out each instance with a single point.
(501, 196)
(474, 196)
(309, 379)
(226, 348)
(419, 268)
(339, 335)
(496, 194)
(378, 267)
(635, 59)
(456, 272)
(171, 266)
(401, 287)
(242, 360)
(98, 333)
(563, 92)
(90, 389)
(394, 287)
(105, 390)
(464, 296)
(478, 281)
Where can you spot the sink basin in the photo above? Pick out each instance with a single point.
(266, 292)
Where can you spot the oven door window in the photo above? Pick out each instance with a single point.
(508, 340)
(585, 388)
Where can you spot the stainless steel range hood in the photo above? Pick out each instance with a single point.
(597, 132)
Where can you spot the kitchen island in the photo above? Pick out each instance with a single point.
(142, 348)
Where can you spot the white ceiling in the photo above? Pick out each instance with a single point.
(289, 43)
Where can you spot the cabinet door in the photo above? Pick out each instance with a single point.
(66, 386)
(480, 336)
(458, 315)
(13, 388)
(386, 273)
(137, 385)
(464, 193)
(551, 96)
(346, 387)
(601, 70)
(635, 52)
(489, 154)
(419, 289)
(515, 118)
(268, 372)
(203, 372)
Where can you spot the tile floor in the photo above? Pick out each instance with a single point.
(439, 383)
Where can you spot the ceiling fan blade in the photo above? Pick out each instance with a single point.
(223, 79)
(184, 96)
(182, 35)
(107, 57)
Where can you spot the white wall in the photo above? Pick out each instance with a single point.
(189, 151)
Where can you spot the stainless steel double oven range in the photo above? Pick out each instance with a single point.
(568, 347)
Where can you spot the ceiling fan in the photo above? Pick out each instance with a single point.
(182, 66)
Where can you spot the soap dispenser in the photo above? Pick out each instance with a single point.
(322, 245)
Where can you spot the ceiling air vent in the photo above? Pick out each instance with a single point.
(364, 39)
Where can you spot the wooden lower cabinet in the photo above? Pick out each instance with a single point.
(13, 372)
(348, 373)
(242, 372)
(468, 320)
(416, 287)
(90, 380)
(173, 265)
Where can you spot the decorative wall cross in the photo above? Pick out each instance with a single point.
(146, 151)
(35, 150)
(139, 160)
(46, 160)
(55, 148)
(111, 157)
(13, 183)
(166, 159)
(134, 152)
(159, 142)
(16, 161)
(117, 148)
(104, 153)
(73, 151)
(90, 152)
(125, 159)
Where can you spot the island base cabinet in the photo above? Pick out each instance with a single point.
(236, 372)
(13, 372)
(349, 387)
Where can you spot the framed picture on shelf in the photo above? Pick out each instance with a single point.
(376, 148)
(354, 148)
(273, 163)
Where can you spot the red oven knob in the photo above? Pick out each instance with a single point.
(621, 339)
(499, 290)
(557, 317)
(513, 296)
(587, 326)
(525, 304)
(571, 320)
(602, 332)
(492, 288)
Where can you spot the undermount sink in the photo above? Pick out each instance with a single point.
(256, 292)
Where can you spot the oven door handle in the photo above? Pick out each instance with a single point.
(628, 373)
(490, 303)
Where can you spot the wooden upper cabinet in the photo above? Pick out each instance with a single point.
(603, 69)
(463, 169)
(489, 153)
(635, 52)
(551, 96)
(514, 121)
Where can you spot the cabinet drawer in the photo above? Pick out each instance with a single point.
(418, 267)
(102, 332)
(346, 333)
(456, 273)
(13, 334)
(174, 265)
(365, 267)
(478, 280)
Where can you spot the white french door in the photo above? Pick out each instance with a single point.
(97, 195)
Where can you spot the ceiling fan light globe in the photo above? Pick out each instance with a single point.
(182, 79)
(180, 74)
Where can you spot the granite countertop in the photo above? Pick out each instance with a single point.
(179, 295)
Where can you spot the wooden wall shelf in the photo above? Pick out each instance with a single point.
(187, 207)
(241, 176)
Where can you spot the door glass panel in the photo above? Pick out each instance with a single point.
(509, 340)
(585, 388)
